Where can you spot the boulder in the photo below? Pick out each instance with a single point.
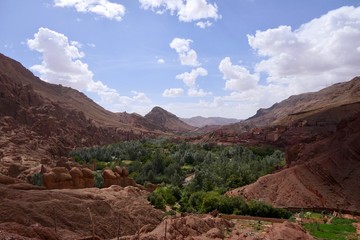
(59, 177)
(88, 177)
(110, 178)
(77, 178)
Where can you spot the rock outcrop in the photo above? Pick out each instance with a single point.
(117, 177)
(60, 178)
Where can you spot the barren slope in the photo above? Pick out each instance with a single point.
(167, 121)
(301, 106)
(41, 122)
(323, 153)
(34, 213)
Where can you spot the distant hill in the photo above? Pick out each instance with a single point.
(167, 121)
(203, 121)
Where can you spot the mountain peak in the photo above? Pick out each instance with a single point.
(167, 120)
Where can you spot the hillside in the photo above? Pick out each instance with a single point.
(299, 107)
(167, 120)
(41, 122)
(321, 134)
(203, 121)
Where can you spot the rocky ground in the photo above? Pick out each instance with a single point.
(65, 213)
(29, 212)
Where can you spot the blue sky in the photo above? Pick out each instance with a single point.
(223, 58)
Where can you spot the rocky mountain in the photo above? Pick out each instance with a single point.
(321, 134)
(167, 120)
(303, 106)
(41, 122)
(203, 121)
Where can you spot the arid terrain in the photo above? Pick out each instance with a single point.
(40, 123)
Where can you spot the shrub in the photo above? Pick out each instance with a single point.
(37, 179)
(157, 200)
(98, 180)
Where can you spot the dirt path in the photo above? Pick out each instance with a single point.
(232, 217)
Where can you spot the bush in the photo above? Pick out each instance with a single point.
(98, 180)
(157, 200)
(37, 179)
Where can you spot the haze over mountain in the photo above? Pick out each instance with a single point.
(199, 121)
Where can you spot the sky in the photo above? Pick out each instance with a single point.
(211, 58)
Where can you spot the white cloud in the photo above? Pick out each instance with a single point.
(319, 53)
(194, 10)
(186, 10)
(161, 61)
(187, 55)
(173, 92)
(61, 64)
(193, 92)
(103, 8)
(189, 78)
(237, 78)
(203, 24)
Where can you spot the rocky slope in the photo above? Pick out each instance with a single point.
(41, 122)
(322, 138)
(115, 212)
(65, 213)
(207, 227)
(299, 107)
(167, 120)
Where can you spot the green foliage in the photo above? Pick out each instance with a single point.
(165, 195)
(215, 169)
(339, 228)
(37, 179)
(161, 161)
(98, 180)
(205, 202)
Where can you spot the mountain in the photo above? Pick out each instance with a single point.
(321, 134)
(167, 120)
(41, 122)
(202, 121)
(305, 105)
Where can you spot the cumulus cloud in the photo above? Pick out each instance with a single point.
(203, 24)
(187, 55)
(102, 8)
(186, 10)
(320, 52)
(237, 78)
(61, 64)
(189, 78)
(173, 92)
(194, 92)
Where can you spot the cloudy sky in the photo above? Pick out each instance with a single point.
(223, 58)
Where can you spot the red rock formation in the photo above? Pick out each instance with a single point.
(60, 178)
(324, 174)
(117, 177)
